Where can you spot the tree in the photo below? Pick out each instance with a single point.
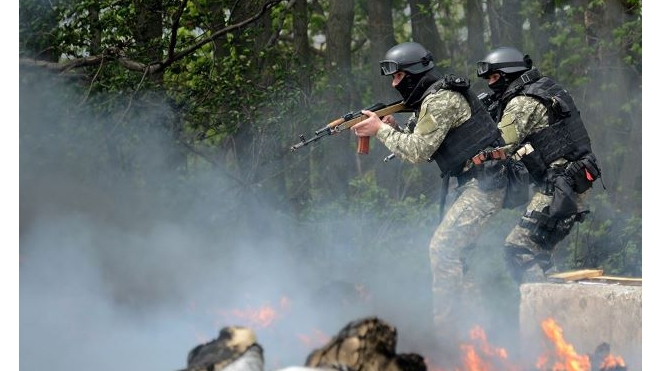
(236, 82)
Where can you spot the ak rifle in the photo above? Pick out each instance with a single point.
(349, 120)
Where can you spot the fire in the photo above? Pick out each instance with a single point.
(482, 356)
(479, 355)
(567, 358)
(263, 316)
(612, 363)
(260, 317)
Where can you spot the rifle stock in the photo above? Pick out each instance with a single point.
(347, 121)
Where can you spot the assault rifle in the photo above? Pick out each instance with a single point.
(349, 120)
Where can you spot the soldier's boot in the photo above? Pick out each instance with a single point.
(526, 266)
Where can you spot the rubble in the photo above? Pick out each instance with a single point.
(367, 344)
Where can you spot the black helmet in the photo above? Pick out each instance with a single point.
(504, 59)
(410, 57)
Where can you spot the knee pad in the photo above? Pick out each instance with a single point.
(546, 230)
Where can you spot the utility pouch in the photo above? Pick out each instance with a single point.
(580, 181)
(547, 231)
(583, 173)
(491, 174)
(517, 188)
(564, 199)
(535, 166)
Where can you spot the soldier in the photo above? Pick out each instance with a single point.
(451, 127)
(540, 125)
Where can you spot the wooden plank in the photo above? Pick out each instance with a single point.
(575, 275)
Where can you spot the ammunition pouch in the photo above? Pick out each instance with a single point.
(564, 198)
(517, 188)
(583, 172)
(566, 183)
(491, 175)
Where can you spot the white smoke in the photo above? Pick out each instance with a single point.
(114, 274)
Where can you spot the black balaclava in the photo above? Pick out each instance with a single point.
(500, 86)
(412, 87)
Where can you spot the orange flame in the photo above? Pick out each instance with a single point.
(567, 358)
(262, 317)
(481, 356)
(612, 362)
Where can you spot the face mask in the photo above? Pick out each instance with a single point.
(407, 85)
(499, 86)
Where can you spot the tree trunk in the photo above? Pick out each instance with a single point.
(511, 26)
(380, 32)
(493, 8)
(148, 32)
(216, 13)
(538, 23)
(424, 29)
(474, 17)
(301, 45)
(340, 96)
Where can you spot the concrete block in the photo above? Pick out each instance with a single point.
(588, 313)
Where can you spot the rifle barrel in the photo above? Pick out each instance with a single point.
(348, 120)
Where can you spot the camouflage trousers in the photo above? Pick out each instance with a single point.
(457, 299)
(526, 260)
(454, 289)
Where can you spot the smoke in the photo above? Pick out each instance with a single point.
(123, 273)
(125, 265)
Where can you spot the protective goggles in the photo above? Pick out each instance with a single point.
(388, 67)
(484, 68)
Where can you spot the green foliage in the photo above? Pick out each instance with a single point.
(38, 22)
(241, 103)
(608, 239)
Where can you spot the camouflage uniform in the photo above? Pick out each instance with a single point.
(456, 306)
(439, 113)
(463, 222)
(526, 259)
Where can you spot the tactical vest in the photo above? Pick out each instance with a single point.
(566, 135)
(473, 135)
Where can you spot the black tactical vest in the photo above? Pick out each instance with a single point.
(566, 135)
(473, 135)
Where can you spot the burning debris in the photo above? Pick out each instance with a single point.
(603, 360)
(563, 357)
(369, 344)
(235, 349)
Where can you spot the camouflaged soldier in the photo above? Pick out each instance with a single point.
(450, 127)
(541, 126)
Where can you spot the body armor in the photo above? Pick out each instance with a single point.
(466, 140)
(566, 135)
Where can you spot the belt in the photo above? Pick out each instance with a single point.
(495, 154)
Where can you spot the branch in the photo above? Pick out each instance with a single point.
(221, 32)
(115, 54)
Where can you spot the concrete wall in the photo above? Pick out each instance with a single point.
(588, 313)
